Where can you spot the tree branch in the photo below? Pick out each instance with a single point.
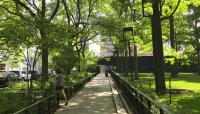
(25, 7)
(9, 10)
(55, 10)
(43, 13)
(85, 40)
(78, 11)
(36, 57)
(166, 17)
(68, 12)
(33, 5)
(90, 9)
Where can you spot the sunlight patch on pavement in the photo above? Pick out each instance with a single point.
(103, 94)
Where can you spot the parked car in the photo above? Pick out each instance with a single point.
(16, 72)
(12, 76)
(4, 80)
(22, 75)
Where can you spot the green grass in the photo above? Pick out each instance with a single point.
(181, 103)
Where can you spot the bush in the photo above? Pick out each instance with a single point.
(91, 68)
(11, 103)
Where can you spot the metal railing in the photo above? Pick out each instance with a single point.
(45, 106)
(137, 101)
(72, 90)
(51, 103)
(22, 91)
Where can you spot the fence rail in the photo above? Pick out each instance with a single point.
(21, 91)
(137, 101)
(72, 90)
(45, 106)
(51, 103)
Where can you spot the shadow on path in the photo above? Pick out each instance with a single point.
(95, 98)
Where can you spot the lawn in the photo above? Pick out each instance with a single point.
(188, 103)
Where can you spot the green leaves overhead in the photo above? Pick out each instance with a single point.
(78, 21)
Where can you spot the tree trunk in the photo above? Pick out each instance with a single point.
(123, 62)
(197, 40)
(83, 66)
(83, 46)
(79, 65)
(158, 48)
(130, 60)
(44, 47)
(136, 62)
(45, 54)
(174, 71)
(126, 63)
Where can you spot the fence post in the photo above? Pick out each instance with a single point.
(49, 105)
(149, 106)
(39, 108)
(58, 100)
(26, 111)
(161, 111)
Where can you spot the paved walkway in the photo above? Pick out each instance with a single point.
(95, 98)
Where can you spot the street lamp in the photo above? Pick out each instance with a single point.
(116, 56)
(130, 29)
(127, 29)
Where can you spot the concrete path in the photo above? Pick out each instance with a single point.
(95, 98)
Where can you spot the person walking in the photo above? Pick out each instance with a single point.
(60, 85)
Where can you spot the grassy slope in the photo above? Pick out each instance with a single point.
(181, 103)
(186, 103)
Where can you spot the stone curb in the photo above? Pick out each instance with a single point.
(120, 105)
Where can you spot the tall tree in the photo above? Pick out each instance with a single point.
(80, 14)
(42, 13)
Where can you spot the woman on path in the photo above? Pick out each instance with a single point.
(60, 85)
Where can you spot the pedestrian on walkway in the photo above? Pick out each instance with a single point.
(60, 85)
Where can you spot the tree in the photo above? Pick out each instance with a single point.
(156, 19)
(64, 58)
(42, 13)
(80, 14)
(193, 19)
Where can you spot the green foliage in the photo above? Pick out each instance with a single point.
(11, 103)
(75, 77)
(64, 58)
(91, 62)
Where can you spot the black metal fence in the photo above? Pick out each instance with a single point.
(45, 106)
(51, 103)
(72, 90)
(137, 101)
(23, 91)
(145, 64)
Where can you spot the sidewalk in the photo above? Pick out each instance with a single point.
(95, 98)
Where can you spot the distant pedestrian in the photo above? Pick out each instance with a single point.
(106, 71)
(60, 85)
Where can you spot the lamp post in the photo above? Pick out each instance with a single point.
(170, 90)
(157, 41)
(117, 60)
(123, 57)
(130, 29)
